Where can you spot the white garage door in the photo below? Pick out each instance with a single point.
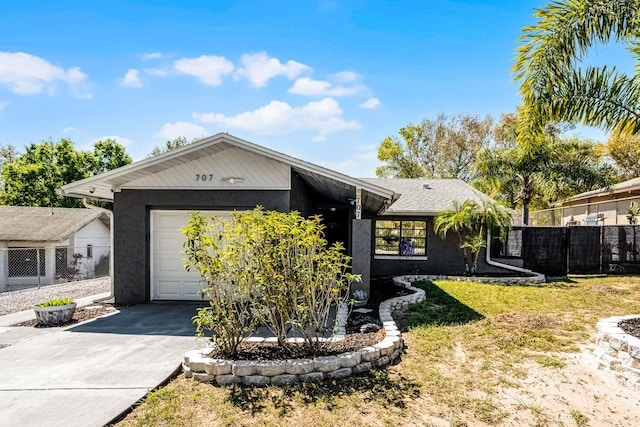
(169, 280)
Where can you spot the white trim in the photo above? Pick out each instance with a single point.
(75, 189)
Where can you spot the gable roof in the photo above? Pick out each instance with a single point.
(36, 224)
(426, 196)
(629, 185)
(103, 186)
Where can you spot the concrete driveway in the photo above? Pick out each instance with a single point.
(86, 375)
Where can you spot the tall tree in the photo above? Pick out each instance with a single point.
(170, 145)
(108, 154)
(553, 85)
(442, 148)
(624, 149)
(8, 153)
(543, 170)
(32, 178)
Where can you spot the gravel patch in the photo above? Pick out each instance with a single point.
(25, 299)
(631, 327)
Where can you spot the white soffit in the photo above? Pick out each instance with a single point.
(103, 186)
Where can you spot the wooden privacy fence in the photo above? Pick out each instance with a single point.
(556, 251)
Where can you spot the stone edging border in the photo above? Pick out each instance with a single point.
(618, 352)
(519, 280)
(198, 366)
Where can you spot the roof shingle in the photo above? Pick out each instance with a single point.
(426, 196)
(36, 224)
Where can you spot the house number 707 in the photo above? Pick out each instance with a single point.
(204, 177)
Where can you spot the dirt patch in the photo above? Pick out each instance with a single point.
(631, 327)
(81, 314)
(525, 321)
(578, 394)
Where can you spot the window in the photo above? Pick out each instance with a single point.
(24, 262)
(401, 238)
(89, 251)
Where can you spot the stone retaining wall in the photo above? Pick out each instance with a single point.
(618, 352)
(280, 372)
(517, 280)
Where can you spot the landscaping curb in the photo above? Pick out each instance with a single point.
(280, 372)
(536, 279)
(618, 352)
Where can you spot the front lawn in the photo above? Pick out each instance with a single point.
(477, 354)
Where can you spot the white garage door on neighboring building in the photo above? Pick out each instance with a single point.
(169, 279)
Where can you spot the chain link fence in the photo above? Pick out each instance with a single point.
(29, 267)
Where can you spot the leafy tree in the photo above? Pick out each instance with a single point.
(171, 145)
(108, 154)
(470, 221)
(553, 85)
(8, 153)
(442, 148)
(624, 149)
(32, 178)
(546, 169)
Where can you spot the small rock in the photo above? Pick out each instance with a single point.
(368, 328)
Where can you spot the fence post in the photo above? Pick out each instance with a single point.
(38, 264)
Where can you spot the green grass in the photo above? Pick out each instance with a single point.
(464, 344)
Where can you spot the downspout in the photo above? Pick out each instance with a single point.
(501, 265)
(86, 203)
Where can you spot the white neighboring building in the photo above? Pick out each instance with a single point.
(42, 246)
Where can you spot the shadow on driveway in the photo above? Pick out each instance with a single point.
(146, 319)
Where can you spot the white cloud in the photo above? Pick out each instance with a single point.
(259, 68)
(174, 130)
(26, 74)
(70, 129)
(3, 105)
(309, 87)
(209, 69)
(155, 71)
(132, 78)
(324, 116)
(119, 139)
(152, 55)
(371, 104)
(367, 152)
(345, 77)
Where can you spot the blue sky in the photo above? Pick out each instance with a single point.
(324, 80)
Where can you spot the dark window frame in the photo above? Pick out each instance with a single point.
(396, 238)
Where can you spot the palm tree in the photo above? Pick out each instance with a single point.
(555, 88)
(546, 169)
(470, 221)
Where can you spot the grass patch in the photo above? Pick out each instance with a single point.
(466, 342)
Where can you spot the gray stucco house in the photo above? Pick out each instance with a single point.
(385, 224)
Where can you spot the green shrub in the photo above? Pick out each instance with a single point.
(56, 302)
(268, 268)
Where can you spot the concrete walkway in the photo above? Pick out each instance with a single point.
(89, 373)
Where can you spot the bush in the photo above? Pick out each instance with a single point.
(268, 268)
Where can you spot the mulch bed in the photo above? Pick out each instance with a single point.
(631, 327)
(271, 351)
(81, 314)
(353, 340)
